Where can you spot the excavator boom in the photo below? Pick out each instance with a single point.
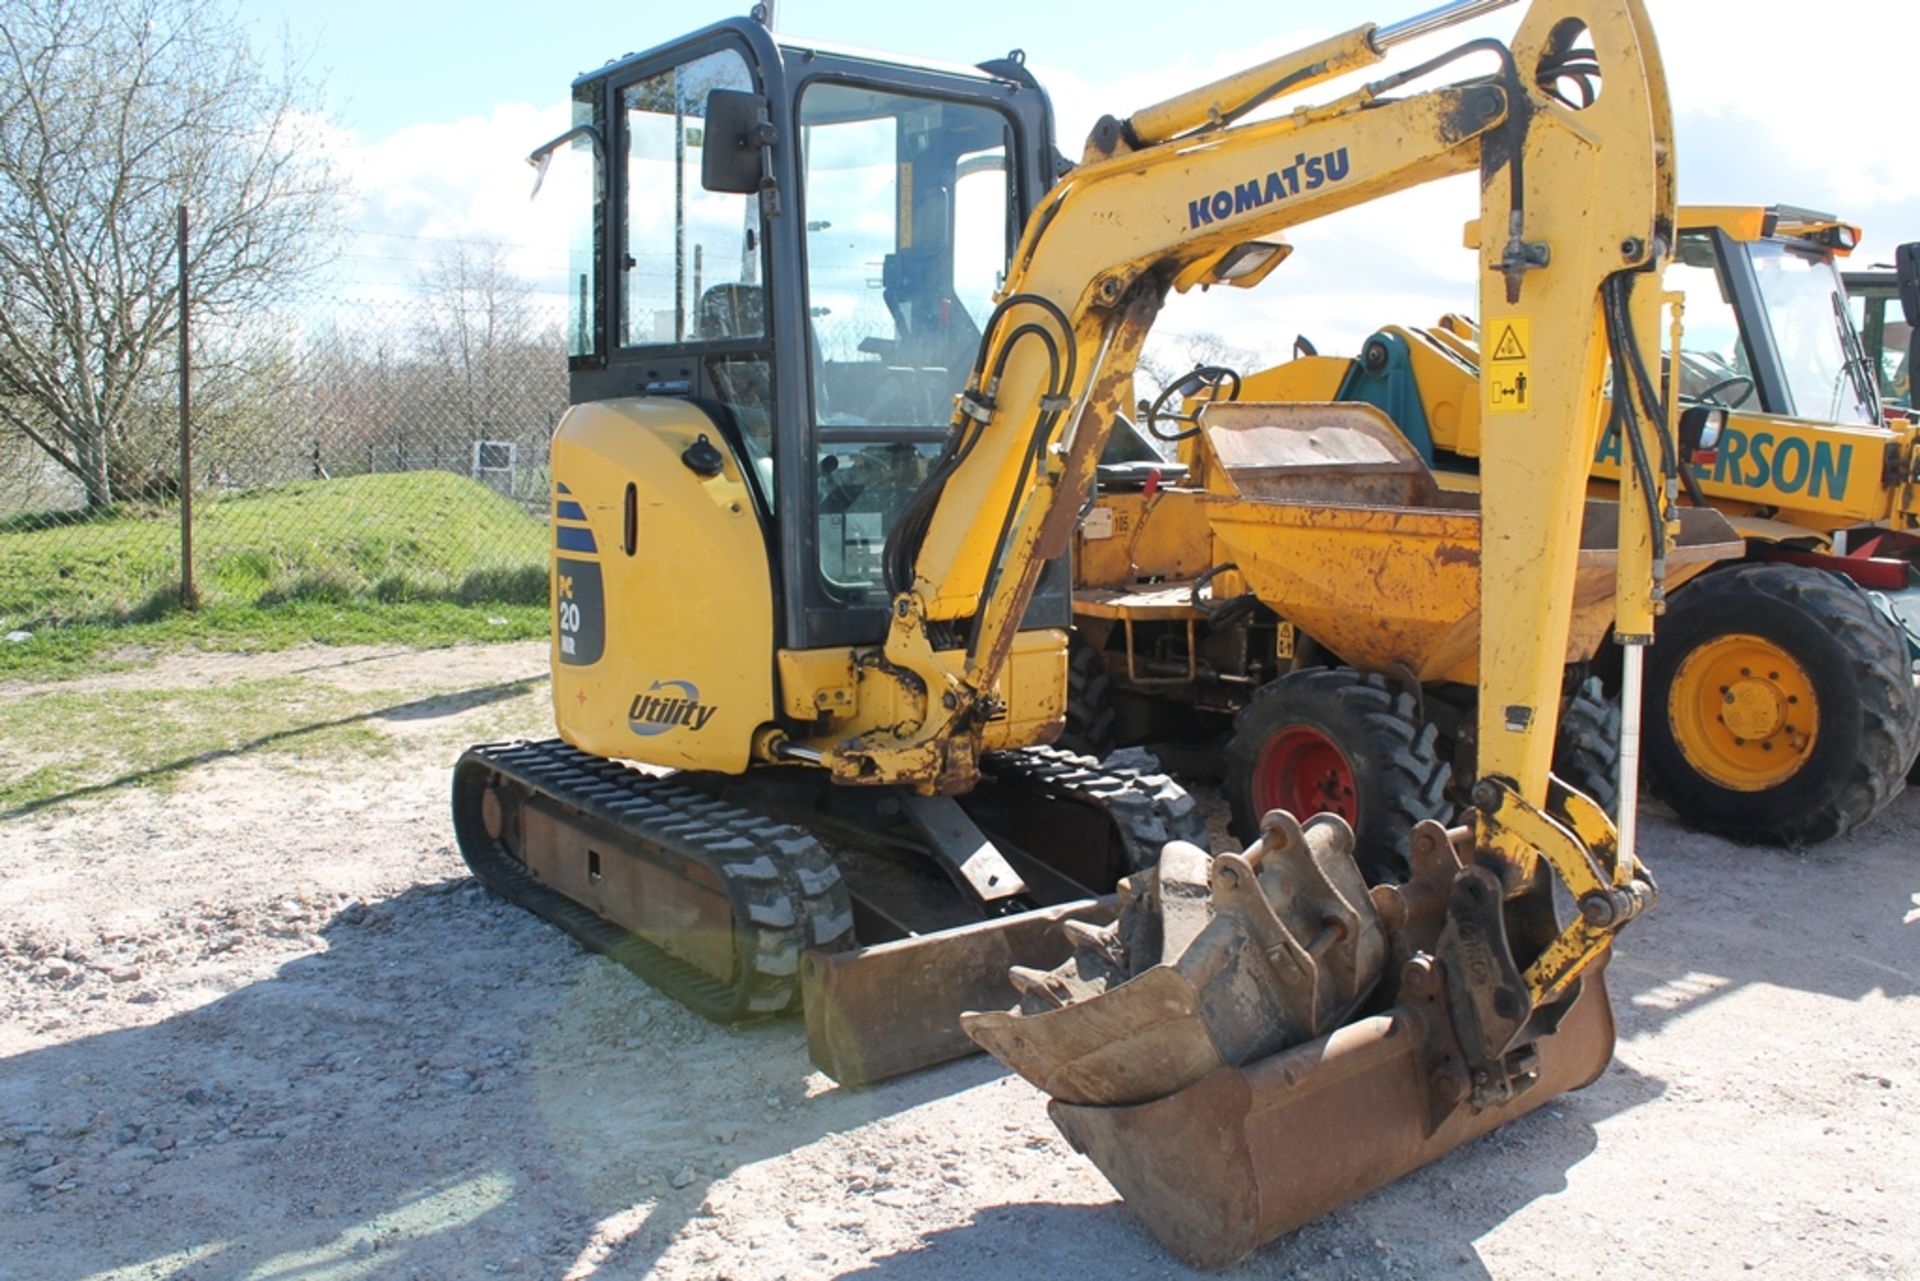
(1247, 1010)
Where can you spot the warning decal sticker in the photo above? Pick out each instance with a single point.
(1507, 370)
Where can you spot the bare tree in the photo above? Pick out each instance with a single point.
(1170, 357)
(494, 360)
(479, 310)
(112, 114)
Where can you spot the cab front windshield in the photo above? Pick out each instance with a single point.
(1819, 353)
(910, 215)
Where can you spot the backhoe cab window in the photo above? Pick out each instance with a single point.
(1714, 363)
(1806, 309)
(908, 226)
(691, 265)
(1887, 338)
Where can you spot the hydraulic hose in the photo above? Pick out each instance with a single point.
(909, 531)
(1614, 295)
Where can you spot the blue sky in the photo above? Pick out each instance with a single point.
(390, 65)
(436, 104)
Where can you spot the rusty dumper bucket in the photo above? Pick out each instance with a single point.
(1336, 524)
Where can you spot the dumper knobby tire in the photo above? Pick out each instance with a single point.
(1090, 711)
(1856, 662)
(1586, 751)
(1397, 774)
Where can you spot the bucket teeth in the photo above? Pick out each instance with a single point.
(1029, 982)
(1214, 961)
(1094, 967)
(1096, 938)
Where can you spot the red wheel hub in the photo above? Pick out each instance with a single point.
(1302, 771)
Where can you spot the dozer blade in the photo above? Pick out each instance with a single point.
(882, 1011)
(1259, 1038)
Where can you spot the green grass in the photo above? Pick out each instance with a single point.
(149, 738)
(421, 558)
(56, 652)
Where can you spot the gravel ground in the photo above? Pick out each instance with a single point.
(259, 1024)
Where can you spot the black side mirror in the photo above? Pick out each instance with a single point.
(737, 131)
(1700, 430)
(1906, 265)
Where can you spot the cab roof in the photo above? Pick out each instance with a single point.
(1774, 222)
(1009, 68)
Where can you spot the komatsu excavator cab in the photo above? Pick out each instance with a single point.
(826, 346)
(785, 258)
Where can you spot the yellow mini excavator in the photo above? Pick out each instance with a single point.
(809, 507)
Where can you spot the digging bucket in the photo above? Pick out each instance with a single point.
(1247, 1154)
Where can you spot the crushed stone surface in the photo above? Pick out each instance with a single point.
(262, 1025)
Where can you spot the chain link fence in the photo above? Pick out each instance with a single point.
(346, 451)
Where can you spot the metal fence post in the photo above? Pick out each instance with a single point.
(189, 594)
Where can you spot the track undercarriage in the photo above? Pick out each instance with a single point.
(883, 914)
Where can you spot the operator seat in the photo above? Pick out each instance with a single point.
(731, 311)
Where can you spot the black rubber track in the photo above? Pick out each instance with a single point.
(1869, 712)
(1399, 775)
(785, 889)
(1147, 809)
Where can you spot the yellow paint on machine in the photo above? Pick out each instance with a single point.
(825, 686)
(652, 693)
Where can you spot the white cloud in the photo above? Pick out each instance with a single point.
(1766, 113)
(1801, 113)
(419, 189)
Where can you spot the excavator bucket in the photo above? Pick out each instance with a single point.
(1245, 1155)
(1259, 1039)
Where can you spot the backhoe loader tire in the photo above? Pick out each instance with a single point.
(1586, 752)
(1330, 738)
(1090, 711)
(1714, 693)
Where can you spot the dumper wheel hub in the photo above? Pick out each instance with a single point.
(1743, 712)
(1754, 708)
(1303, 771)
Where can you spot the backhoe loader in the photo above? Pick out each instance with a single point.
(806, 552)
(1783, 708)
